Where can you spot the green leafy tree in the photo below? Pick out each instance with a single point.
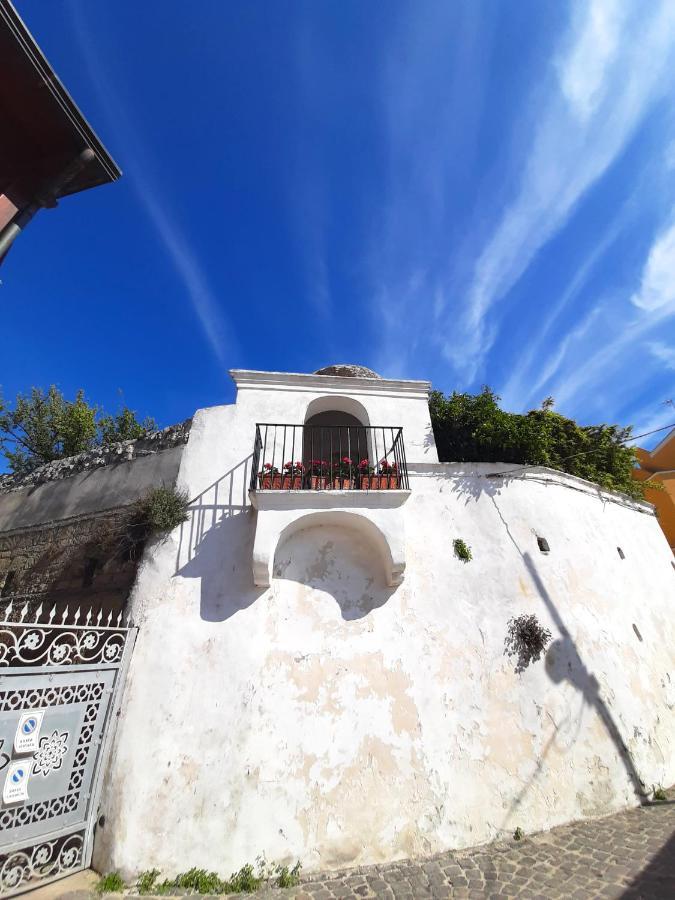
(473, 428)
(43, 426)
(124, 427)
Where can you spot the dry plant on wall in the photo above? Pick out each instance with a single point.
(163, 509)
(526, 639)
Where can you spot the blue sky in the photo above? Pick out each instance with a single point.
(471, 192)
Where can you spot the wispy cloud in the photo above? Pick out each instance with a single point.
(585, 120)
(529, 375)
(432, 87)
(652, 305)
(657, 287)
(663, 353)
(653, 419)
(139, 171)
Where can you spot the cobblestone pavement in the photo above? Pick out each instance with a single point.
(630, 855)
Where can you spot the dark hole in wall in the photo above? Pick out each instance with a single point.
(621, 553)
(637, 632)
(10, 578)
(91, 564)
(543, 544)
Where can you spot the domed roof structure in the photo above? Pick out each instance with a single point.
(347, 370)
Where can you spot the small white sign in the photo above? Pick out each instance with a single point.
(16, 781)
(26, 739)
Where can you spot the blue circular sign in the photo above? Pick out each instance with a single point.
(29, 725)
(17, 775)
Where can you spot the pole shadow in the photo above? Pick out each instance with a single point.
(564, 663)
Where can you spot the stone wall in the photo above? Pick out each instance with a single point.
(122, 451)
(86, 561)
(66, 529)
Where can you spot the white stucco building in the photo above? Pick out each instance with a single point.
(317, 676)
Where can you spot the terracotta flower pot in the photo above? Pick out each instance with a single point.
(342, 484)
(370, 482)
(393, 482)
(270, 482)
(319, 482)
(291, 483)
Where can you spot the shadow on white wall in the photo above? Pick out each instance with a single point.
(334, 568)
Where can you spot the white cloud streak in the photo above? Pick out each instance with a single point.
(584, 123)
(173, 236)
(654, 303)
(657, 287)
(663, 353)
(523, 384)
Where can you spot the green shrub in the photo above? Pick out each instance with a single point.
(462, 550)
(112, 883)
(473, 428)
(245, 881)
(145, 883)
(518, 834)
(163, 508)
(287, 878)
(201, 881)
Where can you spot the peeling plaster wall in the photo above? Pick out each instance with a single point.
(336, 720)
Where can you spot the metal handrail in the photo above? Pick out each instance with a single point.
(328, 457)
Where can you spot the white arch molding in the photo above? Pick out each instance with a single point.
(381, 525)
(338, 403)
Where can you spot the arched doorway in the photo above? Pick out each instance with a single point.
(335, 429)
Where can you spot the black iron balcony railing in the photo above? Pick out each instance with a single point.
(328, 457)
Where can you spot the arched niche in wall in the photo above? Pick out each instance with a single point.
(335, 427)
(339, 559)
(381, 530)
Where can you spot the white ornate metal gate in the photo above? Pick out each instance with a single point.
(60, 687)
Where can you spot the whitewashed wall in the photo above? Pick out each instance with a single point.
(337, 720)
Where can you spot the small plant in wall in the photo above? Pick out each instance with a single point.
(659, 795)
(462, 550)
(526, 639)
(518, 834)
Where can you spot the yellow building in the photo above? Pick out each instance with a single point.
(658, 465)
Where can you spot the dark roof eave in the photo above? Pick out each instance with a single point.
(31, 50)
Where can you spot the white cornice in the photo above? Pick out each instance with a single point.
(329, 384)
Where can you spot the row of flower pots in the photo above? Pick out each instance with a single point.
(321, 475)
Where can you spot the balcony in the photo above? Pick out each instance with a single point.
(353, 476)
(328, 458)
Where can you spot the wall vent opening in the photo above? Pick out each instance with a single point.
(620, 552)
(543, 544)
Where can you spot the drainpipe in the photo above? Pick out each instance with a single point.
(45, 198)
